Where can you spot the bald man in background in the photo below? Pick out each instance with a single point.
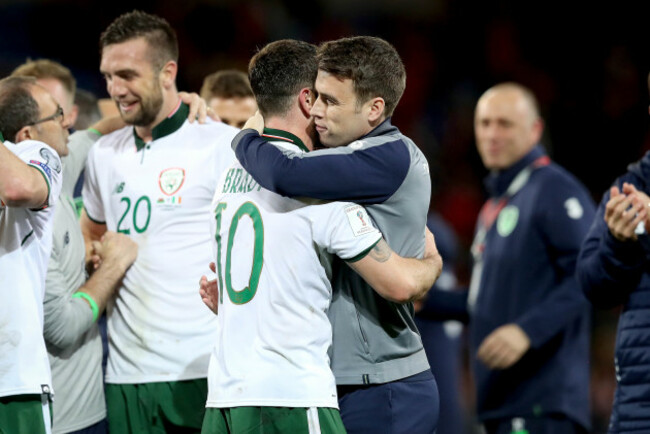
(529, 322)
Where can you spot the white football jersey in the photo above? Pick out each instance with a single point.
(273, 265)
(25, 245)
(159, 194)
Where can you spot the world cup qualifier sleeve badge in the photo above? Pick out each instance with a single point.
(359, 220)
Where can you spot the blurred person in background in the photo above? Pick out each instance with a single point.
(613, 271)
(229, 95)
(88, 114)
(88, 109)
(528, 319)
(529, 328)
(443, 340)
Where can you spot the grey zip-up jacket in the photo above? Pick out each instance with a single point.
(72, 336)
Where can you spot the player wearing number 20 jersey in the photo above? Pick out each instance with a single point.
(159, 194)
(273, 265)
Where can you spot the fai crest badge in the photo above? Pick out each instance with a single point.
(171, 180)
(507, 220)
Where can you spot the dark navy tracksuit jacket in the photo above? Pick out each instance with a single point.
(528, 279)
(612, 273)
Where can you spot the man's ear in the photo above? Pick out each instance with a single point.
(168, 74)
(537, 130)
(25, 133)
(73, 115)
(306, 99)
(376, 109)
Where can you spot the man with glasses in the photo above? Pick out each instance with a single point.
(33, 132)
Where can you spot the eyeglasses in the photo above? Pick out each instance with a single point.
(57, 116)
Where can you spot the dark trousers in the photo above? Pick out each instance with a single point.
(100, 427)
(406, 406)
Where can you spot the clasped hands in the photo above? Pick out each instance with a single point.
(625, 210)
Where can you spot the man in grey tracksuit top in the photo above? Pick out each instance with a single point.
(377, 355)
(70, 330)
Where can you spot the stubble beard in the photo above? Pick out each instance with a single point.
(148, 112)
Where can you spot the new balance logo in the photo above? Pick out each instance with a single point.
(119, 187)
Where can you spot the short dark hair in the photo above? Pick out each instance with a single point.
(277, 73)
(46, 68)
(229, 83)
(18, 107)
(160, 36)
(373, 65)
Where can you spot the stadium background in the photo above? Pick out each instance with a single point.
(588, 65)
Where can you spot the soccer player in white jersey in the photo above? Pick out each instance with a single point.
(30, 181)
(154, 181)
(269, 371)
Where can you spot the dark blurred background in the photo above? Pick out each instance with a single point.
(587, 63)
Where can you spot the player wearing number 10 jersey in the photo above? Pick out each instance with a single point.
(270, 370)
(273, 259)
(274, 332)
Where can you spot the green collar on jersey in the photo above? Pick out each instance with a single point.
(270, 135)
(2, 139)
(169, 125)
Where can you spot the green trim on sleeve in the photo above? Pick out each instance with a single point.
(22, 243)
(94, 131)
(91, 302)
(363, 254)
